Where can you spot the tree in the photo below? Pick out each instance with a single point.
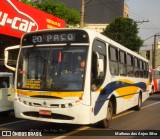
(59, 9)
(31, 3)
(124, 31)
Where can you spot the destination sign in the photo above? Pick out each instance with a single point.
(55, 37)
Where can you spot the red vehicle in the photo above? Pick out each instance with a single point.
(156, 80)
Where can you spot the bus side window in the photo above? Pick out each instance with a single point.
(4, 82)
(98, 66)
(145, 70)
(122, 63)
(113, 60)
(130, 65)
(136, 65)
(141, 68)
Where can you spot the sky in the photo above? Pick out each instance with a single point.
(143, 10)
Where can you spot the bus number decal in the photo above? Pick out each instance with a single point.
(36, 39)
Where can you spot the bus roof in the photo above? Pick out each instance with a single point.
(96, 34)
(5, 74)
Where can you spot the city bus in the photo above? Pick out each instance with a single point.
(155, 80)
(50, 86)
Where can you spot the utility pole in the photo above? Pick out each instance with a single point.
(154, 52)
(82, 14)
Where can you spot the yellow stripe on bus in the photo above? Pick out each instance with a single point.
(48, 93)
(127, 92)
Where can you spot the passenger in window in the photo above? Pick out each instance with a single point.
(94, 87)
(82, 65)
(78, 77)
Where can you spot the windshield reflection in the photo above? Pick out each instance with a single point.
(52, 68)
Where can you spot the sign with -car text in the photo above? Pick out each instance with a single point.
(17, 18)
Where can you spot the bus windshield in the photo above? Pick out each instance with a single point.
(52, 68)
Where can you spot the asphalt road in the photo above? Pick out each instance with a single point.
(129, 124)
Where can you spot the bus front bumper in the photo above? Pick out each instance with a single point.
(77, 114)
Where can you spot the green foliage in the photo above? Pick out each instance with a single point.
(124, 31)
(59, 9)
(31, 3)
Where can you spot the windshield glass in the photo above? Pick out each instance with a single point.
(52, 68)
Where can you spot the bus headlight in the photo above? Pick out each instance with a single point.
(69, 105)
(62, 105)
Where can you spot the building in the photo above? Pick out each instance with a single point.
(149, 55)
(98, 13)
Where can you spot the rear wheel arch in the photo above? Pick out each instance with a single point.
(114, 103)
(111, 110)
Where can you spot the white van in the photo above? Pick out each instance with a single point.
(6, 93)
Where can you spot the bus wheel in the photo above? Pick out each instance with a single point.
(152, 90)
(138, 107)
(105, 122)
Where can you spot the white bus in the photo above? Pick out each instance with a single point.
(49, 85)
(6, 93)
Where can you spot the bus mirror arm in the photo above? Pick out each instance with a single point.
(100, 65)
(6, 56)
(6, 53)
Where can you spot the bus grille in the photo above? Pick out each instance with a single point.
(40, 105)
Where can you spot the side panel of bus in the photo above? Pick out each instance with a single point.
(6, 95)
(119, 80)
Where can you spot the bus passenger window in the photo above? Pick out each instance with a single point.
(98, 66)
(122, 63)
(136, 67)
(146, 69)
(113, 61)
(140, 68)
(130, 65)
(4, 82)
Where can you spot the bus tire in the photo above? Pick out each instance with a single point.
(152, 91)
(106, 122)
(138, 107)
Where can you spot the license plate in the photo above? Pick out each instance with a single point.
(45, 112)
